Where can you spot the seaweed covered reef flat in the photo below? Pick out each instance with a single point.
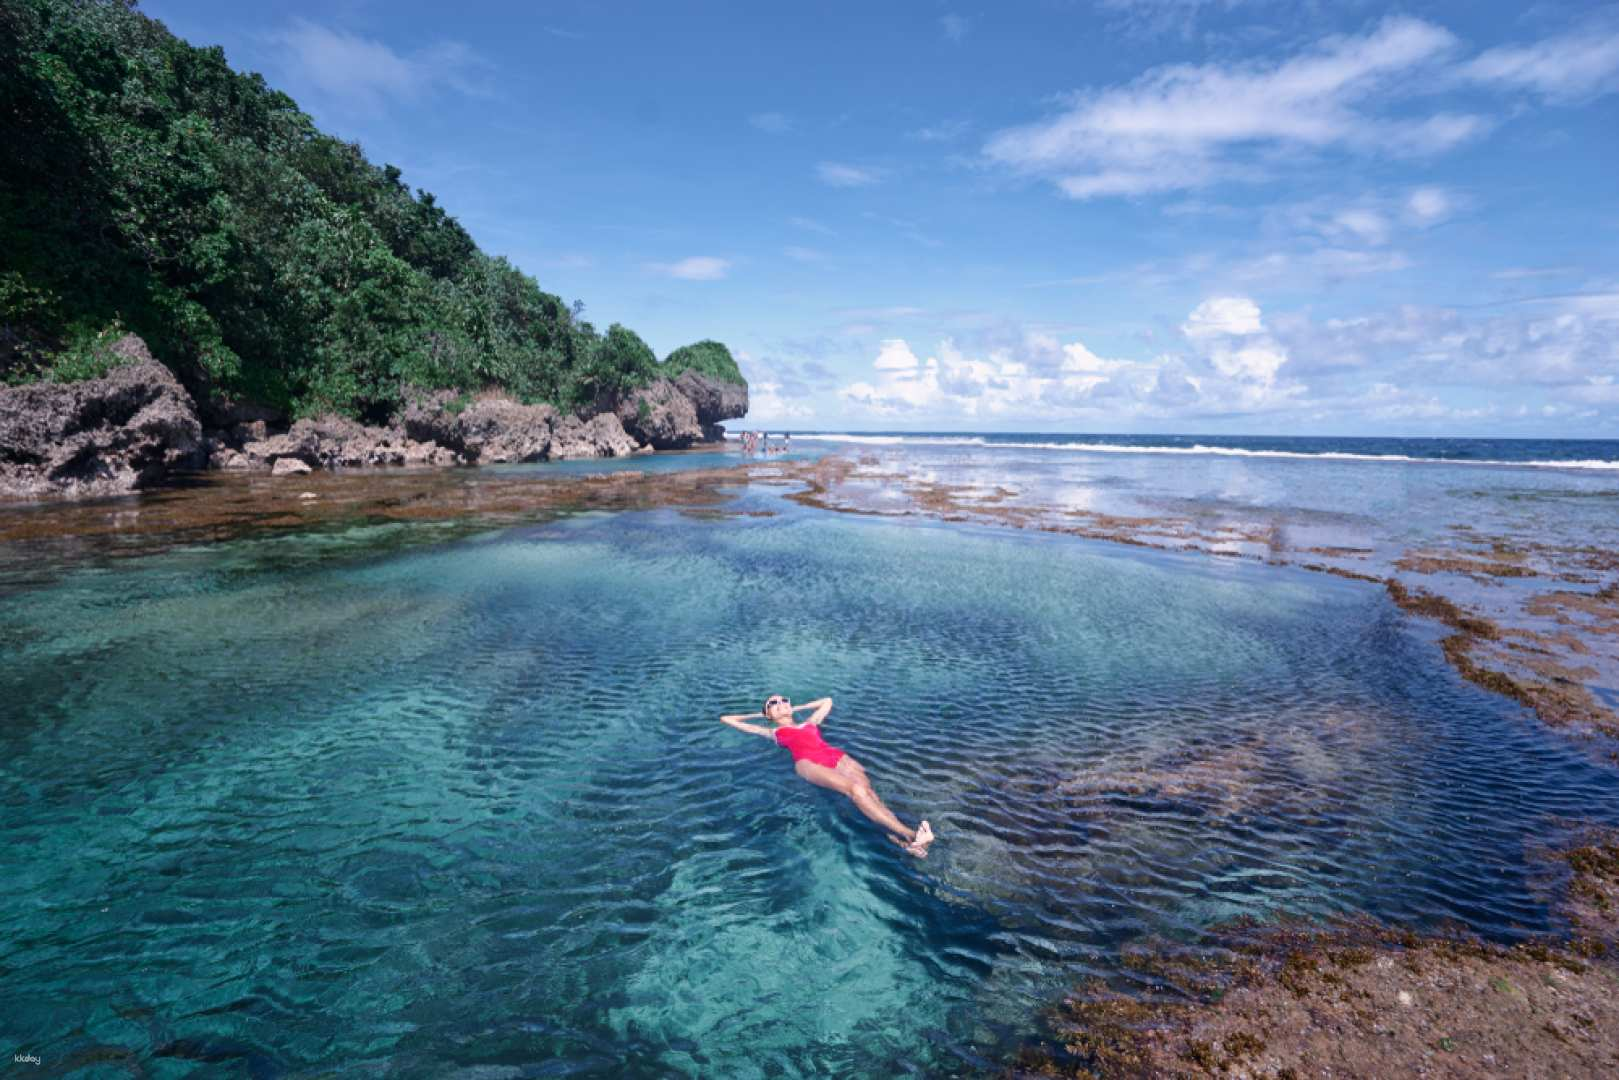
(1355, 998)
(212, 507)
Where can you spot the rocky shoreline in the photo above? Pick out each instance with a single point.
(138, 426)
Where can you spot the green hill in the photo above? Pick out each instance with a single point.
(146, 186)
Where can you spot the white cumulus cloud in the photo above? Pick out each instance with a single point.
(1221, 316)
(1230, 334)
(1234, 368)
(895, 355)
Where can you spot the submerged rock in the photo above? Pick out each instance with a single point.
(289, 466)
(124, 431)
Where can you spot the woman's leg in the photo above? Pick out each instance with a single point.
(850, 779)
(865, 797)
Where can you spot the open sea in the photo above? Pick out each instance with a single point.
(430, 799)
(1557, 453)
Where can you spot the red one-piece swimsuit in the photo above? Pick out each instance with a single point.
(806, 744)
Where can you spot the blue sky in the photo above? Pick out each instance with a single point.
(1100, 215)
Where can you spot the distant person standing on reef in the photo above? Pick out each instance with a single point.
(787, 442)
(827, 766)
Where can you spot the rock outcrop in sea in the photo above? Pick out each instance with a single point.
(138, 425)
(127, 430)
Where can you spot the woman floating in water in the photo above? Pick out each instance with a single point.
(827, 766)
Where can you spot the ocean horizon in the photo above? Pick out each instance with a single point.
(1525, 451)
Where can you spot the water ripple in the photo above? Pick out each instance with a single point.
(465, 810)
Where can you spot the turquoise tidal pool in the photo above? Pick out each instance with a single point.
(383, 800)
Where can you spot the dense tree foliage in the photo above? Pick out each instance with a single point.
(706, 358)
(144, 185)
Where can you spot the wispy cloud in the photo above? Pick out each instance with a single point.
(1182, 127)
(1562, 344)
(1316, 266)
(774, 391)
(1572, 67)
(954, 27)
(911, 230)
(1429, 205)
(1363, 224)
(803, 254)
(1518, 273)
(882, 314)
(773, 123)
(695, 268)
(810, 225)
(944, 131)
(364, 74)
(838, 174)
(771, 402)
(1372, 219)
(1178, 17)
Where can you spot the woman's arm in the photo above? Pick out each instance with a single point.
(822, 706)
(739, 722)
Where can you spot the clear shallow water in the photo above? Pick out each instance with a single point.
(336, 802)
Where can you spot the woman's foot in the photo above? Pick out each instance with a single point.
(919, 843)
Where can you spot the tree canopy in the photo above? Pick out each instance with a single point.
(706, 358)
(146, 186)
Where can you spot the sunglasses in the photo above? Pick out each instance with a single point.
(776, 701)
